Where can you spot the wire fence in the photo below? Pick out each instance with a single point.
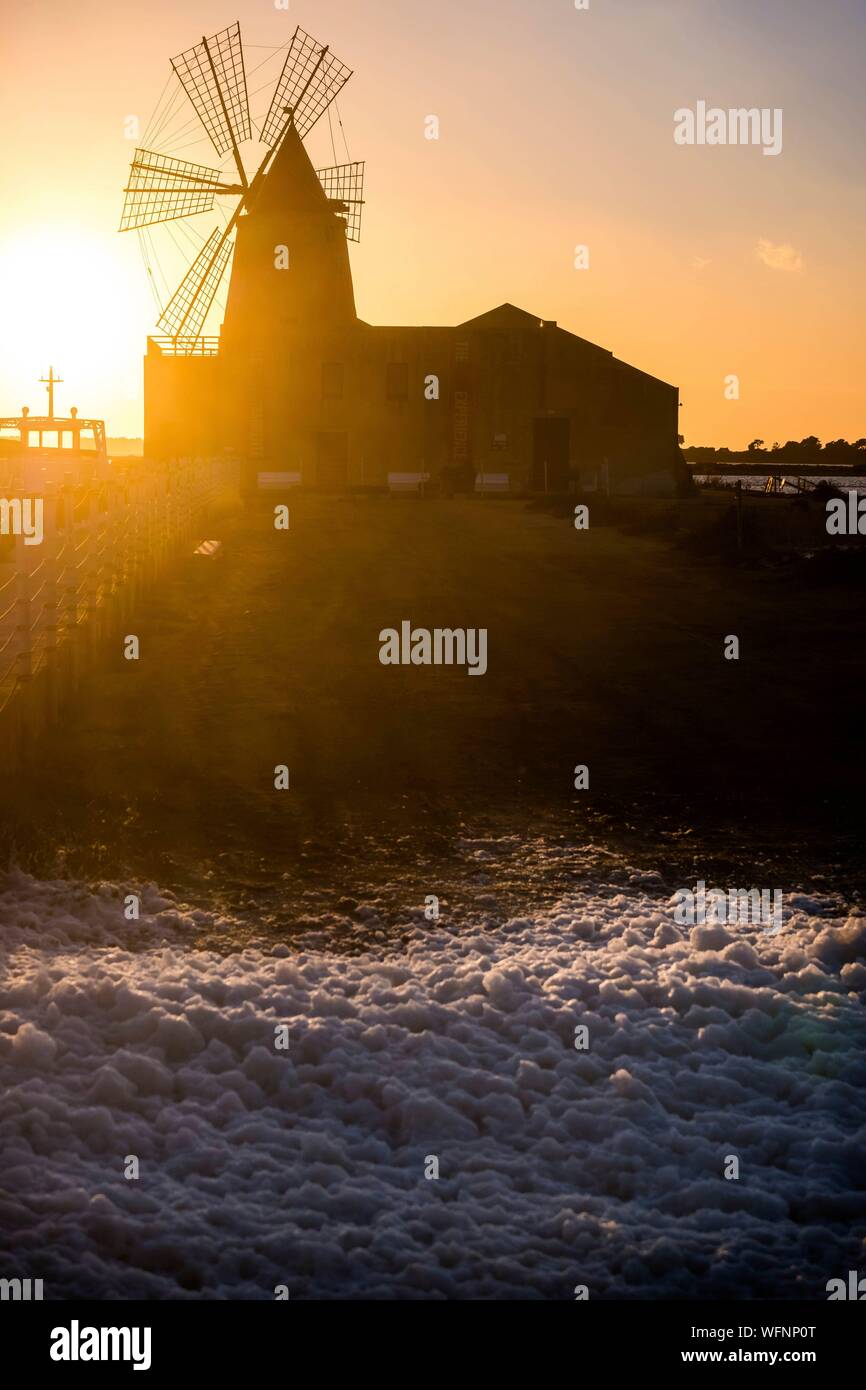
(103, 542)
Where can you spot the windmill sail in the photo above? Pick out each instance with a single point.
(162, 189)
(187, 309)
(214, 79)
(344, 183)
(310, 79)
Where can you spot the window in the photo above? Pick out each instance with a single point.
(398, 381)
(332, 381)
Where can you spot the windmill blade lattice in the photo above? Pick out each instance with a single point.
(162, 189)
(187, 309)
(310, 80)
(213, 77)
(344, 184)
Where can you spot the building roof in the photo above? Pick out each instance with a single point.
(509, 318)
(505, 316)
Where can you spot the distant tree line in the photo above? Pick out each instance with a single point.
(834, 451)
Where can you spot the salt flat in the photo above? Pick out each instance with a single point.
(558, 1167)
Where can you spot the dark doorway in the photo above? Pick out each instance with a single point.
(551, 446)
(332, 461)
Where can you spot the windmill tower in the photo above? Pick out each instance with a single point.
(287, 224)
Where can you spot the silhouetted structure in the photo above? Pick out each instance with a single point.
(297, 383)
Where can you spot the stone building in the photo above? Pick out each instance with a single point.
(296, 383)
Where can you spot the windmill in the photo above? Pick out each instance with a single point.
(163, 188)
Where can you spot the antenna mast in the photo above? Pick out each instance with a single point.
(51, 381)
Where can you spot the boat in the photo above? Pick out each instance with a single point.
(41, 451)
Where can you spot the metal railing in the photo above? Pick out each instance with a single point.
(205, 345)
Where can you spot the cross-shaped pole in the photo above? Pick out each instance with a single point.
(51, 381)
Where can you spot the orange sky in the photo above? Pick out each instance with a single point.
(556, 130)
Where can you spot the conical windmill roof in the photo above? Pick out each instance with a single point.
(313, 291)
(291, 182)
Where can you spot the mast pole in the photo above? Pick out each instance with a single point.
(51, 381)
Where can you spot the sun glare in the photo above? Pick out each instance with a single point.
(68, 301)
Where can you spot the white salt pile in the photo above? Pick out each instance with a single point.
(558, 1166)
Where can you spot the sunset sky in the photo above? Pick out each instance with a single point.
(556, 130)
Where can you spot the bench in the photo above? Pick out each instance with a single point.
(492, 482)
(407, 482)
(271, 481)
